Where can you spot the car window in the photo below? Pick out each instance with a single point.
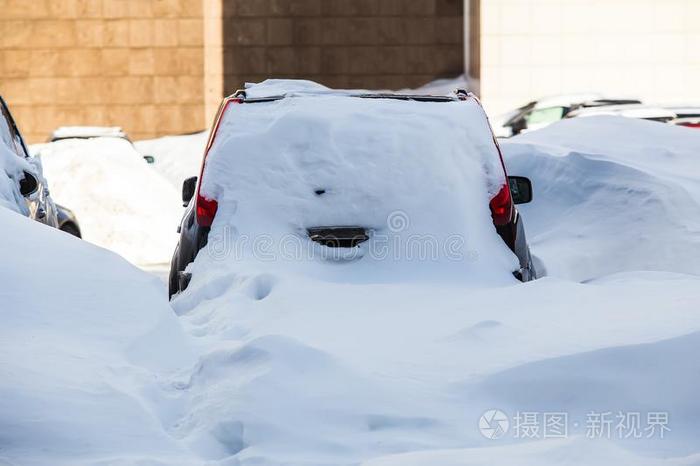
(545, 115)
(6, 133)
(10, 138)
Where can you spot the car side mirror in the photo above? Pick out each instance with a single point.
(520, 189)
(28, 185)
(149, 159)
(188, 188)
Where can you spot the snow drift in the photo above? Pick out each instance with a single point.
(81, 332)
(611, 194)
(353, 365)
(121, 203)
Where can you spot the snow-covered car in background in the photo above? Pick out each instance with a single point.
(344, 177)
(686, 116)
(548, 110)
(89, 132)
(638, 111)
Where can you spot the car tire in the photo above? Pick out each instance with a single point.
(173, 282)
(70, 229)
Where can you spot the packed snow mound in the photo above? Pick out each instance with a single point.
(122, 204)
(307, 372)
(406, 171)
(176, 157)
(610, 194)
(349, 362)
(84, 339)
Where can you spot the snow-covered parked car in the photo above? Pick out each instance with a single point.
(90, 132)
(543, 112)
(340, 170)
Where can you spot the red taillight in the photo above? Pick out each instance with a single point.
(691, 125)
(501, 206)
(206, 208)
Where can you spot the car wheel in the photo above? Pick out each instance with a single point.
(70, 229)
(173, 282)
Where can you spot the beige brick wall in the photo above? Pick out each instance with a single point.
(138, 64)
(374, 44)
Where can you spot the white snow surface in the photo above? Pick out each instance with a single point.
(121, 202)
(67, 132)
(176, 157)
(611, 194)
(344, 363)
(340, 363)
(84, 340)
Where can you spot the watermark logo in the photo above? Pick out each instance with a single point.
(494, 424)
(398, 221)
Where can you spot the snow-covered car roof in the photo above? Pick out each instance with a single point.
(85, 132)
(641, 111)
(278, 88)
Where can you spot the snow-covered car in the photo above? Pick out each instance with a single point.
(31, 197)
(89, 132)
(343, 175)
(638, 111)
(548, 110)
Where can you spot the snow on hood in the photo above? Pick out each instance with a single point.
(111, 189)
(402, 169)
(611, 194)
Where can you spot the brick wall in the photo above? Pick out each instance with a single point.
(375, 44)
(131, 63)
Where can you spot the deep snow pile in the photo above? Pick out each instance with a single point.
(176, 157)
(122, 204)
(611, 194)
(84, 338)
(357, 361)
(336, 361)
